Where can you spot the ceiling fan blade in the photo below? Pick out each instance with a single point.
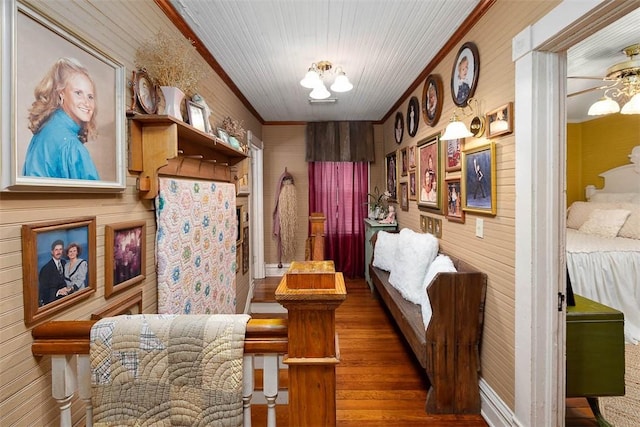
(591, 89)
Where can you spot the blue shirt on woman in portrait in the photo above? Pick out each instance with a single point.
(56, 151)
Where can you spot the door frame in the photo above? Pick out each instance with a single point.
(539, 53)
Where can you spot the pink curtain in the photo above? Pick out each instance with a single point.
(339, 190)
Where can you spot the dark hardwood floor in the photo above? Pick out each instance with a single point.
(379, 382)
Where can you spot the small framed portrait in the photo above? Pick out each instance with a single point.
(500, 121)
(432, 96)
(454, 154)
(429, 173)
(223, 135)
(413, 116)
(430, 225)
(479, 179)
(404, 196)
(423, 223)
(196, 116)
(245, 250)
(398, 130)
(437, 227)
(144, 92)
(412, 157)
(453, 208)
(404, 161)
(464, 76)
(43, 57)
(238, 224)
(412, 185)
(391, 170)
(125, 256)
(58, 266)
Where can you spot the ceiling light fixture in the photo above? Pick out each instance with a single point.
(457, 129)
(314, 79)
(625, 86)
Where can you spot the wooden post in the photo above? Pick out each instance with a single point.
(317, 220)
(312, 291)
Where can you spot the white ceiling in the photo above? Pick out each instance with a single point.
(266, 46)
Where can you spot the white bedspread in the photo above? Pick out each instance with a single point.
(607, 270)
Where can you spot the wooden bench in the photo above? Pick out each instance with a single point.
(449, 349)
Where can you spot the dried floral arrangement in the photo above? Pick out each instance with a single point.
(171, 61)
(233, 128)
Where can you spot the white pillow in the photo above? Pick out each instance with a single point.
(384, 252)
(605, 222)
(631, 228)
(416, 251)
(442, 264)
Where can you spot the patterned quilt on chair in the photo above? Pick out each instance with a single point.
(167, 370)
(196, 247)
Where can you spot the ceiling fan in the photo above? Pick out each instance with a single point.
(622, 81)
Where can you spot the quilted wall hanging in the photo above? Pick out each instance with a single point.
(196, 247)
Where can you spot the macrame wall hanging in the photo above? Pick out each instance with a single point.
(285, 217)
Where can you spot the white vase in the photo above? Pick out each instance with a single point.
(173, 101)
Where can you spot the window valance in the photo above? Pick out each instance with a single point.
(340, 142)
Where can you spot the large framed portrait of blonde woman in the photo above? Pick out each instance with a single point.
(63, 108)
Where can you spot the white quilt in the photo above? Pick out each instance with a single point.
(607, 270)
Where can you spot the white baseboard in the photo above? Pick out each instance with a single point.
(493, 409)
(247, 303)
(272, 270)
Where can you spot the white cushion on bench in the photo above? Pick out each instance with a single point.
(384, 252)
(415, 252)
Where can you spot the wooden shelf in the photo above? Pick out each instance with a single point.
(163, 145)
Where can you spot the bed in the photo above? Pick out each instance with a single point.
(603, 244)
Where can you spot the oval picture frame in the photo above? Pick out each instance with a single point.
(465, 72)
(432, 98)
(145, 92)
(413, 116)
(398, 128)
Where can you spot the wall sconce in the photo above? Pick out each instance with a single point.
(456, 129)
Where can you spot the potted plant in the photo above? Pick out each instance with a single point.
(171, 60)
(236, 132)
(379, 204)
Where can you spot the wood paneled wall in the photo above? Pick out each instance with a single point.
(117, 27)
(495, 252)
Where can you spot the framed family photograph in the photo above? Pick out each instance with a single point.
(64, 140)
(125, 256)
(429, 173)
(398, 130)
(432, 96)
(58, 266)
(404, 196)
(500, 121)
(453, 208)
(464, 76)
(391, 171)
(454, 154)
(412, 185)
(412, 157)
(479, 179)
(413, 116)
(196, 116)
